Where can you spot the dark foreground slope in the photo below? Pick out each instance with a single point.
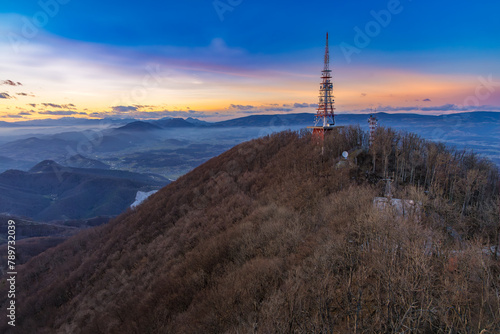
(273, 237)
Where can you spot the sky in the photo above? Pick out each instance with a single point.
(218, 59)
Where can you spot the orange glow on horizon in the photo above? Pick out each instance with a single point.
(354, 90)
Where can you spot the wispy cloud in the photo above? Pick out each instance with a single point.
(241, 107)
(10, 83)
(269, 108)
(124, 109)
(444, 107)
(59, 106)
(154, 114)
(391, 108)
(61, 112)
(301, 105)
(278, 109)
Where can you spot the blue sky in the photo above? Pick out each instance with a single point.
(214, 54)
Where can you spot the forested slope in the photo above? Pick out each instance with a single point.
(273, 236)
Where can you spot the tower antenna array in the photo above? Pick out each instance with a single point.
(325, 118)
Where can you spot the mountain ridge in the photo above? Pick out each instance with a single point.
(273, 236)
(493, 115)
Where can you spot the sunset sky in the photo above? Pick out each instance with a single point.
(220, 59)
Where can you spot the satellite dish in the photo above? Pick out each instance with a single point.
(345, 154)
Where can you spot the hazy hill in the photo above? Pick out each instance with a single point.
(22, 148)
(197, 122)
(175, 123)
(79, 161)
(274, 237)
(138, 126)
(62, 146)
(50, 191)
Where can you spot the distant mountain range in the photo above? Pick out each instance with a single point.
(49, 191)
(258, 120)
(138, 126)
(479, 131)
(68, 121)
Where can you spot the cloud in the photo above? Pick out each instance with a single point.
(11, 83)
(59, 106)
(33, 105)
(5, 96)
(12, 116)
(279, 109)
(241, 107)
(53, 105)
(301, 105)
(391, 108)
(153, 114)
(124, 108)
(363, 94)
(140, 106)
(444, 107)
(25, 94)
(61, 113)
(25, 113)
(272, 107)
(427, 100)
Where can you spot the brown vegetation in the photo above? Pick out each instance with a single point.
(272, 237)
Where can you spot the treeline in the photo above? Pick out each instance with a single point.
(462, 186)
(276, 236)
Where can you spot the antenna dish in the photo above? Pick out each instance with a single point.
(345, 154)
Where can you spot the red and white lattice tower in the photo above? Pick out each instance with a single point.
(372, 123)
(325, 118)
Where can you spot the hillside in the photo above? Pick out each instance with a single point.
(274, 237)
(138, 126)
(79, 161)
(49, 191)
(176, 123)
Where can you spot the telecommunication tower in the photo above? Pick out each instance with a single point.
(325, 118)
(372, 123)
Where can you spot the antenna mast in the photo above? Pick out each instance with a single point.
(325, 112)
(325, 118)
